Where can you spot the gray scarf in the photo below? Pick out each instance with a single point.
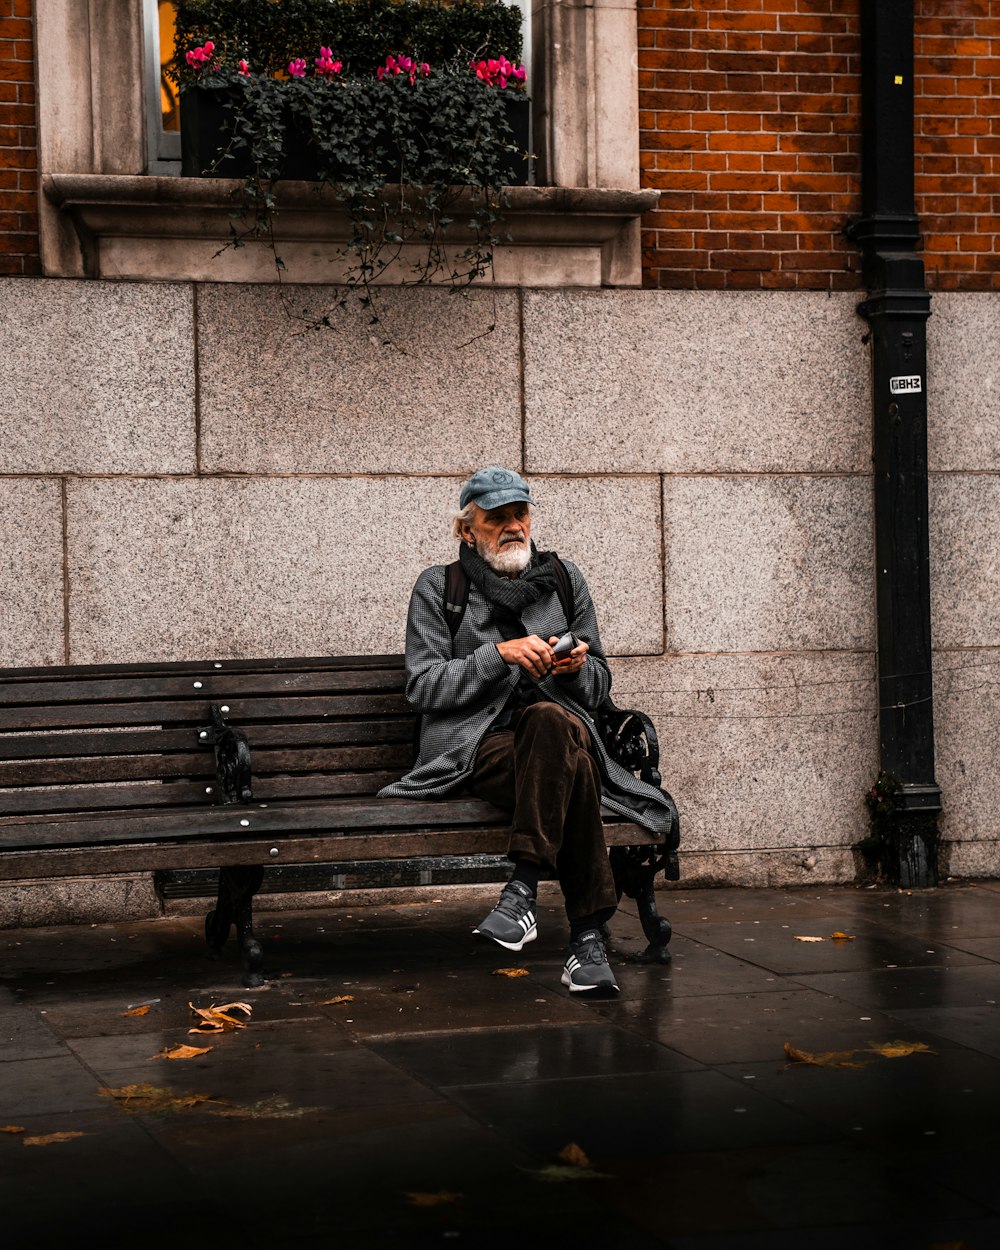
(512, 593)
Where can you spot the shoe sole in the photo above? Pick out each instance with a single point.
(607, 987)
(510, 946)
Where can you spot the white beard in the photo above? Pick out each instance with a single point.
(508, 560)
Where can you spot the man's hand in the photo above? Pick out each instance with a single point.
(531, 654)
(571, 663)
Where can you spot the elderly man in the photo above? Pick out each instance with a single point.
(506, 717)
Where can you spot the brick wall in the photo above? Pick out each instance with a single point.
(18, 140)
(958, 141)
(750, 121)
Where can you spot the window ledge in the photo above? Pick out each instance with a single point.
(157, 228)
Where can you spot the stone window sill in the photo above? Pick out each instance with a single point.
(164, 228)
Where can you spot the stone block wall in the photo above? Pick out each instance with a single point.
(187, 472)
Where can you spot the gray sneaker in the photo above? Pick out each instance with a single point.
(512, 922)
(587, 966)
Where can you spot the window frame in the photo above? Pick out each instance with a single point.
(107, 212)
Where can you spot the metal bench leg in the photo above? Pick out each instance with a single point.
(635, 869)
(237, 886)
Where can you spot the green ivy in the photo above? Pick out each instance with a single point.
(424, 136)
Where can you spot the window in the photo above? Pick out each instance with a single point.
(162, 103)
(108, 134)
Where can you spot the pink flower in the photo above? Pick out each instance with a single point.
(326, 66)
(498, 72)
(403, 65)
(244, 69)
(198, 58)
(297, 68)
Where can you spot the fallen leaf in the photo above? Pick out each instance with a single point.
(12, 1128)
(556, 1173)
(182, 1052)
(573, 1155)
(510, 972)
(840, 938)
(217, 1019)
(442, 1198)
(145, 1099)
(809, 939)
(49, 1138)
(823, 1059)
(899, 1050)
(273, 1108)
(137, 1011)
(333, 1002)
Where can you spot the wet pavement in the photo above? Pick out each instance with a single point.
(430, 1106)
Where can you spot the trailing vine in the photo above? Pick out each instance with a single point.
(402, 108)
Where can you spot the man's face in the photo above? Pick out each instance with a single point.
(502, 537)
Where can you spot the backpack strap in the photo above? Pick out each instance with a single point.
(456, 591)
(456, 595)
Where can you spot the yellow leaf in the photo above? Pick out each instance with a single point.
(573, 1155)
(809, 939)
(333, 1002)
(12, 1128)
(510, 972)
(840, 938)
(144, 1099)
(218, 1019)
(182, 1052)
(823, 1059)
(442, 1198)
(899, 1050)
(49, 1138)
(556, 1173)
(137, 1011)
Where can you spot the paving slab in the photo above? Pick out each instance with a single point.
(430, 1105)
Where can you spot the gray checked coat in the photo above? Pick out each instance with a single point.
(459, 687)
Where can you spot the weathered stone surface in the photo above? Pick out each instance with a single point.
(965, 559)
(685, 381)
(96, 377)
(78, 900)
(276, 396)
(31, 579)
(175, 569)
(763, 753)
(966, 731)
(756, 870)
(609, 527)
(768, 563)
(963, 381)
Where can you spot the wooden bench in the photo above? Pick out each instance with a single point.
(234, 765)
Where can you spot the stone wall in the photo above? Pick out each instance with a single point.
(186, 472)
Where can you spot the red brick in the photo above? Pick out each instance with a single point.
(15, 28)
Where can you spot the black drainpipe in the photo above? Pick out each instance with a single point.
(896, 309)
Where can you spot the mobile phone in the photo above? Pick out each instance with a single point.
(564, 646)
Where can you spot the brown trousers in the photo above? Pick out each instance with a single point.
(541, 769)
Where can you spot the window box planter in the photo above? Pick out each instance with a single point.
(207, 115)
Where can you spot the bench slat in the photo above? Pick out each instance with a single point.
(289, 664)
(337, 847)
(70, 744)
(344, 815)
(196, 711)
(112, 799)
(209, 685)
(163, 767)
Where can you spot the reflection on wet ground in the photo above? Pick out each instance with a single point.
(390, 1089)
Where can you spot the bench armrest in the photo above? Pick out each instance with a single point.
(630, 739)
(233, 767)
